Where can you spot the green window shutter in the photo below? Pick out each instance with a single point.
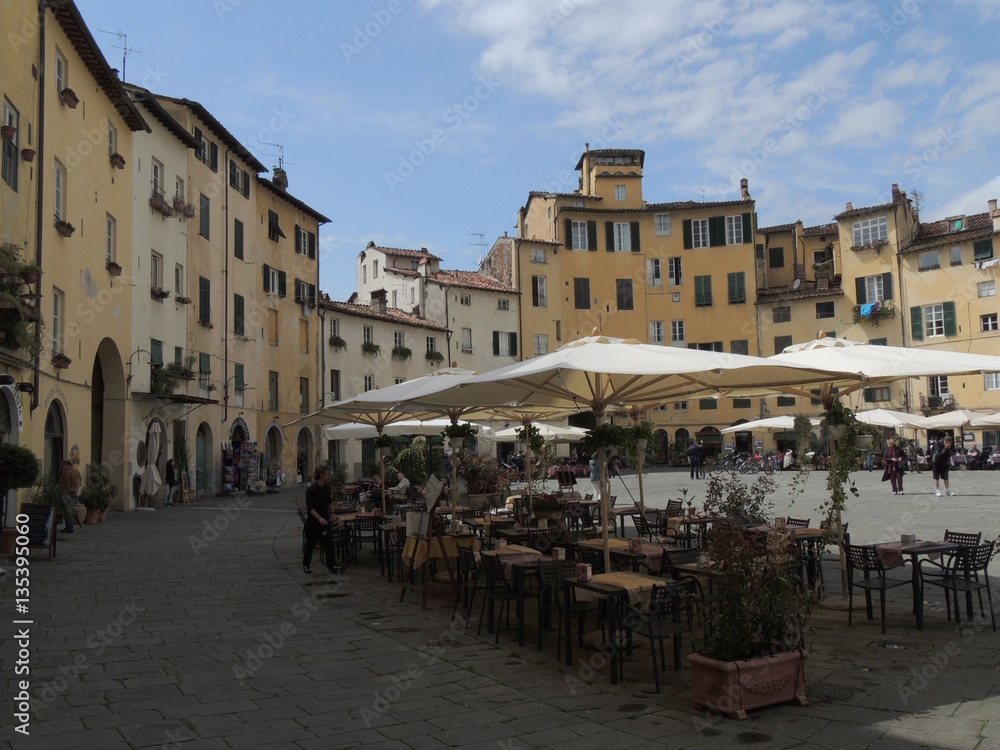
(311, 241)
(717, 231)
(917, 323)
(591, 235)
(513, 344)
(238, 371)
(267, 278)
(869, 394)
(859, 290)
(214, 148)
(238, 238)
(496, 343)
(688, 243)
(568, 241)
(747, 228)
(950, 324)
(887, 286)
(156, 352)
(731, 279)
(282, 284)
(635, 236)
(204, 363)
(609, 234)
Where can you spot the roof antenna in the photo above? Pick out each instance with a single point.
(481, 245)
(126, 50)
(702, 191)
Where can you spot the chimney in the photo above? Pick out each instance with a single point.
(995, 215)
(744, 189)
(280, 178)
(850, 206)
(896, 198)
(378, 301)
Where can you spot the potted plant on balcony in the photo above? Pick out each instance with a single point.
(64, 228)
(434, 357)
(370, 347)
(117, 160)
(9, 132)
(162, 381)
(61, 361)
(751, 654)
(401, 352)
(459, 434)
(337, 342)
(69, 98)
(159, 293)
(113, 268)
(181, 299)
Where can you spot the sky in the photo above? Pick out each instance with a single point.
(426, 123)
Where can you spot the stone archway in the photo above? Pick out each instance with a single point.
(303, 453)
(203, 459)
(55, 440)
(110, 442)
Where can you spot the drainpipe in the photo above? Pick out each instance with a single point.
(225, 296)
(447, 323)
(39, 199)
(516, 260)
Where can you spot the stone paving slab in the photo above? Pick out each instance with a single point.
(336, 678)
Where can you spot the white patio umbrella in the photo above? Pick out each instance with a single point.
(549, 433)
(151, 481)
(599, 372)
(770, 424)
(886, 418)
(948, 420)
(986, 420)
(401, 428)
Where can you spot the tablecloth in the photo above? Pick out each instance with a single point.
(639, 588)
(889, 552)
(418, 552)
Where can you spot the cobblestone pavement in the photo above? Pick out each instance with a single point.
(194, 627)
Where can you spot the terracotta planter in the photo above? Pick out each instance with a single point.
(30, 276)
(114, 269)
(93, 516)
(104, 514)
(28, 154)
(7, 540)
(9, 132)
(81, 513)
(61, 361)
(69, 98)
(117, 161)
(548, 515)
(735, 687)
(65, 228)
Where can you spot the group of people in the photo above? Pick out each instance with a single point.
(696, 459)
(940, 452)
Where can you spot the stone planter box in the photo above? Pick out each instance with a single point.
(735, 687)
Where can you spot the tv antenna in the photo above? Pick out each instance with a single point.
(702, 191)
(481, 244)
(281, 154)
(126, 50)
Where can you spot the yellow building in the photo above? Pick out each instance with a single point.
(675, 274)
(72, 204)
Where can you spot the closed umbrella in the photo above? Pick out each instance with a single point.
(151, 481)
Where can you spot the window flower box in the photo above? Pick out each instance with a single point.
(337, 343)
(183, 300)
(158, 293)
(64, 228)
(117, 160)
(69, 98)
(369, 347)
(434, 357)
(61, 361)
(28, 154)
(401, 352)
(113, 268)
(9, 132)
(159, 203)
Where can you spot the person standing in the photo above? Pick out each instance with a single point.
(941, 462)
(693, 459)
(894, 461)
(702, 456)
(318, 524)
(72, 481)
(170, 477)
(595, 476)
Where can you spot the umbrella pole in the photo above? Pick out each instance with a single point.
(381, 477)
(602, 456)
(527, 455)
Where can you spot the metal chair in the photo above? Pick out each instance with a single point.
(496, 524)
(644, 527)
(553, 581)
(663, 618)
(674, 508)
(542, 539)
(864, 557)
(498, 590)
(961, 574)
(797, 523)
(366, 529)
(395, 541)
(468, 582)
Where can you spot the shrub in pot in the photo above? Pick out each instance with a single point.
(98, 491)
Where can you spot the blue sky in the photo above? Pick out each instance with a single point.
(418, 123)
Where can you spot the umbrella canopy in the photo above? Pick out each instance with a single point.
(598, 372)
(151, 481)
(771, 424)
(403, 427)
(986, 420)
(549, 432)
(886, 418)
(947, 420)
(865, 365)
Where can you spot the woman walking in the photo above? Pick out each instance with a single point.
(894, 460)
(941, 461)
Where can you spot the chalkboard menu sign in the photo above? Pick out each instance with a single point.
(41, 526)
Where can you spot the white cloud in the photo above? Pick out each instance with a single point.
(972, 201)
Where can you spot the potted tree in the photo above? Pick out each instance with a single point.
(98, 493)
(548, 507)
(485, 478)
(18, 468)
(752, 652)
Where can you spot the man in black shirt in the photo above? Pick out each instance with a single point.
(319, 526)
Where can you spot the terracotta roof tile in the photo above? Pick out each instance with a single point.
(821, 230)
(391, 315)
(938, 233)
(864, 210)
(784, 295)
(470, 280)
(402, 252)
(403, 271)
(777, 228)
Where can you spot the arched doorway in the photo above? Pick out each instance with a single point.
(55, 440)
(160, 459)
(239, 433)
(111, 441)
(203, 455)
(712, 439)
(662, 447)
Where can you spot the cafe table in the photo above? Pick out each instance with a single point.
(519, 564)
(609, 587)
(649, 553)
(891, 554)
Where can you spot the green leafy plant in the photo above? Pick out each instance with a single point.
(744, 504)
(606, 436)
(385, 441)
(50, 492)
(162, 381)
(401, 352)
(547, 503)
(412, 461)
(369, 347)
(99, 490)
(463, 430)
(434, 357)
(18, 468)
(337, 343)
(482, 473)
(536, 444)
